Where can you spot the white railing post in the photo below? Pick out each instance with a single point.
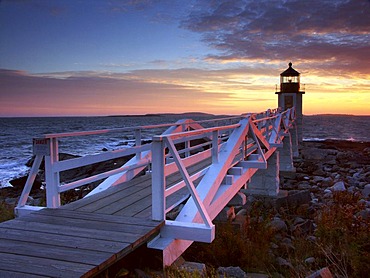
(215, 146)
(51, 177)
(187, 142)
(138, 142)
(158, 179)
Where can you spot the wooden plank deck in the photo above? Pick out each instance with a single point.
(82, 238)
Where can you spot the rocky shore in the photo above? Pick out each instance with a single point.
(319, 226)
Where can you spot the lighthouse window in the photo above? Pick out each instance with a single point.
(290, 79)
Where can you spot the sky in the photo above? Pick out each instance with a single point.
(114, 57)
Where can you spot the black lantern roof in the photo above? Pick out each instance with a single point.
(290, 71)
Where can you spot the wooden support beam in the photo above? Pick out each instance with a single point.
(188, 231)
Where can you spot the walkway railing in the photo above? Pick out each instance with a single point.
(233, 161)
(47, 148)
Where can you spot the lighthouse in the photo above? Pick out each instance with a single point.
(290, 95)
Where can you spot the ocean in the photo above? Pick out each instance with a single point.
(17, 134)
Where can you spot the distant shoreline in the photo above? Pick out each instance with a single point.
(187, 114)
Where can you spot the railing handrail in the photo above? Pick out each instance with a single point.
(133, 128)
(182, 134)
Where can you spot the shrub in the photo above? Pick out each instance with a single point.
(6, 211)
(344, 235)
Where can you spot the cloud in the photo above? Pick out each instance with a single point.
(89, 93)
(331, 33)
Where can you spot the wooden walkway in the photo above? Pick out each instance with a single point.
(85, 237)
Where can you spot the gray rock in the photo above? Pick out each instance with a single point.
(232, 271)
(319, 172)
(283, 262)
(351, 189)
(311, 238)
(227, 214)
(238, 200)
(298, 220)
(193, 267)
(304, 228)
(294, 199)
(287, 244)
(322, 273)
(278, 225)
(366, 191)
(364, 214)
(141, 274)
(240, 217)
(317, 179)
(310, 260)
(257, 275)
(274, 245)
(304, 185)
(313, 154)
(327, 182)
(339, 186)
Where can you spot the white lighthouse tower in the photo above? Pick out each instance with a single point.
(290, 95)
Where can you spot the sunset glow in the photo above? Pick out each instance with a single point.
(66, 58)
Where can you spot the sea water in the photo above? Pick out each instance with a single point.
(17, 133)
